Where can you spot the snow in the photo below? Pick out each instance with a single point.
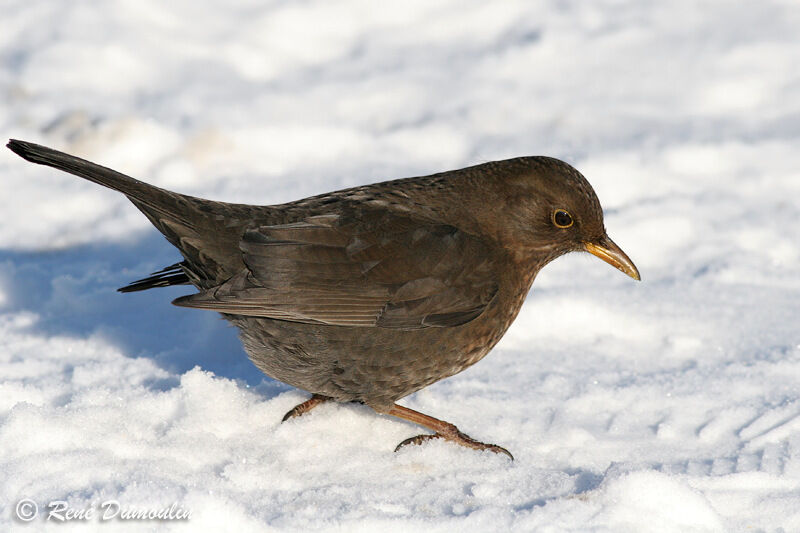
(668, 405)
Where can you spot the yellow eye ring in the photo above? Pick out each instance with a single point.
(562, 218)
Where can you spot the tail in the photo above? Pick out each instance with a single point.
(134, 189)
(187, 222)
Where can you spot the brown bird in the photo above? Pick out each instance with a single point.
(371, 293)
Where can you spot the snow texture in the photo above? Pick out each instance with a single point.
(668, 405)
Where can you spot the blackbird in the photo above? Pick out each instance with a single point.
(371, 293)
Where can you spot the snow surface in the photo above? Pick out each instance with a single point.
(669, 405)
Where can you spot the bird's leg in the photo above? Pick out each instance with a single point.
(306, 406)
(443, 430)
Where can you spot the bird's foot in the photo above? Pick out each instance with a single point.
(306, 406)
(443, 430)
(460, 438)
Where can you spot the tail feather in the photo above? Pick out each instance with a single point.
(171, 275)
(205, 232)
(145, 193)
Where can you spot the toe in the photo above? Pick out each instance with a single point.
(419, 439)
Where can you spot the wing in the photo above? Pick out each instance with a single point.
(359, 267)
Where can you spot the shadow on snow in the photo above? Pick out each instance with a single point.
(74, 293)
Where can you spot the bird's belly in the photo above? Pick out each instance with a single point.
(374, 365)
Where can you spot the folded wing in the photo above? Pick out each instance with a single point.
(358, 267)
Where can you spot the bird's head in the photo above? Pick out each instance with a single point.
(550, 209)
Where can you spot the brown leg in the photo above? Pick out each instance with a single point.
(443, 430)
(306, 406)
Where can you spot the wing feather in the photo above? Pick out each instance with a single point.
(358, 268)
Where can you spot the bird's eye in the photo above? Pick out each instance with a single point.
(561, 218)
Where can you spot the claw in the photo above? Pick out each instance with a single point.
(461, 438)
(419, 439)
(306, 406)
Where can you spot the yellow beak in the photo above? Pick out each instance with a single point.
(612, 254)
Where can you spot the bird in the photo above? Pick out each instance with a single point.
(371, 293)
